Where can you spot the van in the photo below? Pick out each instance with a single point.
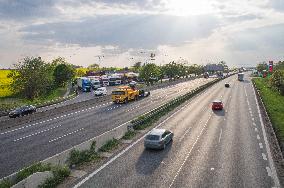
(100, 91)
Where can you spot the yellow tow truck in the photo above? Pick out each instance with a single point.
(123, 94)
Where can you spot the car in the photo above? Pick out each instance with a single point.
(21, 111)
(158, 139)
(217, 105)
(100, 91)
(227, 85)
(132, 84)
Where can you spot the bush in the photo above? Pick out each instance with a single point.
(129, 135)
(59, 174)
(110, 145)
(281, 89)
(6, 184)
(78, 157)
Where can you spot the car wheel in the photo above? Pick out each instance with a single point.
(126, 101)
(164, 146)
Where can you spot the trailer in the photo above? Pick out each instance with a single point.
(84, 84)
(241, 76)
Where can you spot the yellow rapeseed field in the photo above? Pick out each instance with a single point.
(4, 83)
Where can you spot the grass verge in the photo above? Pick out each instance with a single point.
(59, 174)
(274, 104)
(110, 145)
(129, 135)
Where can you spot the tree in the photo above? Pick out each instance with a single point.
(279, 65)
(276, 79)
(31, 78)
(261, 66)
(137, 66)
(62, 74)
(149, 73)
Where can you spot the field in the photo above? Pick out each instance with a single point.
(274, 104)
(4, 83)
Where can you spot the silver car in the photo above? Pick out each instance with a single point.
(158, 139)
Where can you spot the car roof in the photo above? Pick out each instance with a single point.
(157, 131)
(217, 101)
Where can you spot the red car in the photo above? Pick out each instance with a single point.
(217, 105)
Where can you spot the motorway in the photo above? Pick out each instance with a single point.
(30, 142)
(210, 148)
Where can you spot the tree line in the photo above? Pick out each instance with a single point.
(32, 77)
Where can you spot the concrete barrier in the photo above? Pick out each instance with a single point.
(34, 180)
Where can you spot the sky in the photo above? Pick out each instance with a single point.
(122, 32)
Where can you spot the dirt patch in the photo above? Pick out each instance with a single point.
(276, 145)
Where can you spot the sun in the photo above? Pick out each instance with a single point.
(188, 7)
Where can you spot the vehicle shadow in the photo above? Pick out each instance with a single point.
(219, 112)
(151, 159)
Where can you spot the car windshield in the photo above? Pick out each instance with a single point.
(153, 137)
(100, 89)
(118, 92)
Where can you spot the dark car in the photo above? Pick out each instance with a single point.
(217, 105)
(227, 85)
(21, 111)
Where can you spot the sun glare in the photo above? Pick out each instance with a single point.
(188, 7)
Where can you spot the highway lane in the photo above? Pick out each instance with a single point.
(210, 149)
(38, 140)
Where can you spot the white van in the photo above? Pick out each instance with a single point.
(100, 91)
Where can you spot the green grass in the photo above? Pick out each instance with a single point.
(274, 104)
(10, 102)
(110, 145)
(4, 83)
(129, 135)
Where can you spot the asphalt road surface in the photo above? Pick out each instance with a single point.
(210, 148)
(27, 143)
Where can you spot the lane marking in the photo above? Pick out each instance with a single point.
(260, 145)
(258, 137)
(36, 133)
(271, 162)
(264, 157)
(255, 129)
(70, 133)
(269, 173)
(188, 154)
(184, 134)
(220, 135)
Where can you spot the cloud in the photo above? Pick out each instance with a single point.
(26, 9)
(277, 5)
(126, 31)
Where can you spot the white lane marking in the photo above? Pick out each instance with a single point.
(258, 137)
(254, 123)
(271, 163)
(128, 148)
(260, 145)
(255, 129)
(252, 119)
(70, 133)
(36, 133)
(264, 157)
(188, 129)
(269, 173)
(188, 154)
(220, 135)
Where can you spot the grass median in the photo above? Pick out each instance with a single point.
(274, 104)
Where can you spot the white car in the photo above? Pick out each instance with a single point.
(101, 91)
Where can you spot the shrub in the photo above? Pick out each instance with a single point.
(59, 174)
(78, 157)
(6, 183)
(281, 89)
(128, 135)
(110, 145)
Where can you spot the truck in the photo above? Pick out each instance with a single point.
(241, 76)
(104, 81)
(124, 94)
(95, 83)
(114, 80)
(84, 84)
